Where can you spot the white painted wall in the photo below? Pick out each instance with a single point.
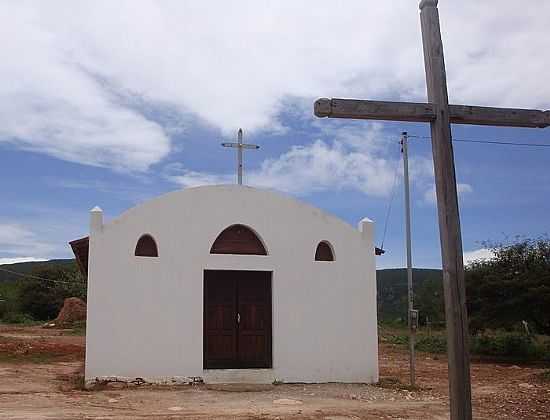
(145, 315)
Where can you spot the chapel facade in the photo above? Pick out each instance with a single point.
(229, 284)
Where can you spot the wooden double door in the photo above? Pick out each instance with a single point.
(237, 319)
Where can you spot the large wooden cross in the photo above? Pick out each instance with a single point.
(440, 115)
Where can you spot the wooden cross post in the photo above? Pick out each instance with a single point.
(440, 115)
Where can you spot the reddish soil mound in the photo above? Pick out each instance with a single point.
(74, 310)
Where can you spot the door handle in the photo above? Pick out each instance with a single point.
(238, 318)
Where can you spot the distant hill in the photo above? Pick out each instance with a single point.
(392, 293)
(391, 285)
(28, 267)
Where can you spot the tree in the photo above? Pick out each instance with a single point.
(42, 295)
(428, 300)
(513, 286)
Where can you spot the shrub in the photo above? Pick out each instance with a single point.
(9, 303)
(432, 344)
(544, 376)
(397, 339)
(510, 345)
(512, 287)
(17, 318)
(503, 345)
(42, 296)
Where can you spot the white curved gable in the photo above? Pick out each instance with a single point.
(151, 309)
(188, 221)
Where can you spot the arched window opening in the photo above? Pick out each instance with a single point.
(238, 239)
(146, 247)
(324, 252)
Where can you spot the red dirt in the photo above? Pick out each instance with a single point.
(46, 389)
(35, 344)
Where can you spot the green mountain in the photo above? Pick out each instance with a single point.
(391, 285)
(28, 267)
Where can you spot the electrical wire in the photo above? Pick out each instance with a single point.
(37, 278)
(499, 142)
(388, 211)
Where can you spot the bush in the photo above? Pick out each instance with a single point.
(432, 344)
(501, 344)
(9, 303)
(545, 376)
(397, 339)
(17, 318)
(504, 345)
(512, 287)
(42, 296)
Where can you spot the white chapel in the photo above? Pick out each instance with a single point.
(229, 284)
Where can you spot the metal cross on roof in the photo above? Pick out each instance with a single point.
(240, 146)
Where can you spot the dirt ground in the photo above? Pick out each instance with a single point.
(39, 371)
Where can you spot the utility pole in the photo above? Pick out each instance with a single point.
(412, 315)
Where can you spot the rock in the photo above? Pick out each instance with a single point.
(113, 400)
(526, 385)
(117, 385)
(175, 408)
(73, 310)
(287, 401)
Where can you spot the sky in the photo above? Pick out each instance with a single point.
(113, 103)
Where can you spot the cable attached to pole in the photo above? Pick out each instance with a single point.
(388, 209)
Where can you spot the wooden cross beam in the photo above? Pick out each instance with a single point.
(424, 112)
(440, 115)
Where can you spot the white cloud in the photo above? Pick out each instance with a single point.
(20, 260)
(51, 103)
(462, 189)
(320, 166)
(477, 255)
(350, 158)
(189, 179)
(77, 74)
(304, 169)
(16, 241)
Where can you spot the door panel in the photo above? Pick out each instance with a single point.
(254, 300)
(237, 323)
(220, 335)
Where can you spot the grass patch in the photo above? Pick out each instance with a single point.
(432, 344)
(397, 339)
(17, 318)
(390, 382)
(78, 329)
(510, 345)
(31, 358)
(499, 345)
(544, 376)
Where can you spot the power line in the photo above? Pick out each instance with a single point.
(388, 211)
(500, 142)
(37, 278)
